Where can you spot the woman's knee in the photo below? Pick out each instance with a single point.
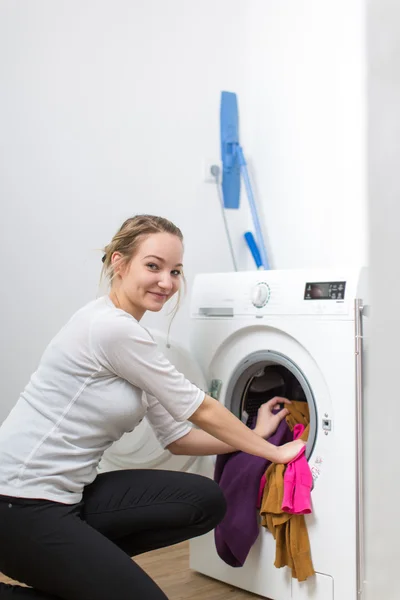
(213, 502)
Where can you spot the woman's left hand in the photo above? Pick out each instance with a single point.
(267, 417)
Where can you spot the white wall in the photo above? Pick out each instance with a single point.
(111, 107)
(382, 412)
(304, 111)
(108, 108)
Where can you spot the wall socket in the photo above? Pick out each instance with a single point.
(207, 176)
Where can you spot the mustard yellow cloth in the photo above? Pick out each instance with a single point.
(289, 531)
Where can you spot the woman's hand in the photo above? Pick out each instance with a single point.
(289, 451)
(218, 421)
(268, 418)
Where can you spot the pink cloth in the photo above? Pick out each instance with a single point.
(297, 482)
(263, 481)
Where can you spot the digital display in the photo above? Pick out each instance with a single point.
(326, 290)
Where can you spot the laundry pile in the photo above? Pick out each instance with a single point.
(282, 493)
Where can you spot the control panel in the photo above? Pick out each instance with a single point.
(326, 290)
(322, 292)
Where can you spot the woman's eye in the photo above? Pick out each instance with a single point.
(176, 273)
(152, 266)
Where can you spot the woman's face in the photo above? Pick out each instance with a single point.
(153, 276)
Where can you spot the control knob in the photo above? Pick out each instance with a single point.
(260, 295)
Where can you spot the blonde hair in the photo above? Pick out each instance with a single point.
(127, 241)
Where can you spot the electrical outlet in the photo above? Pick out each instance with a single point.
(208, 177)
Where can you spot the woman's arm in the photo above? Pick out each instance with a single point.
(219, 422)
(201, 443)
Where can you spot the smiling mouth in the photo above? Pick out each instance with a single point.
(159, 295)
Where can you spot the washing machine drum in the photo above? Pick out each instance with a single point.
(261, 377)
(140, 448)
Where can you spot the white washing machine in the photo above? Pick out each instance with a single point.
(306, 325)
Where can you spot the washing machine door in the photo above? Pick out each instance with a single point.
(140, 449)
(259, 362)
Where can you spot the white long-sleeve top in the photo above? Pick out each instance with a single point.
(86, 393)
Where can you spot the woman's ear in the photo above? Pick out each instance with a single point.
(117, 263)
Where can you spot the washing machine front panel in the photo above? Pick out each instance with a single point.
(140, 448)
(327, 375)
(235, 319)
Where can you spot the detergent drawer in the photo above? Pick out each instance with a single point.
(319, 587)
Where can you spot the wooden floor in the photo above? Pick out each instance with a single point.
(169, 567)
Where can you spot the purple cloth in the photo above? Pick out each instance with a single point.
(238, 475)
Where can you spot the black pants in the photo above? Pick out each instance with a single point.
(82, 551)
